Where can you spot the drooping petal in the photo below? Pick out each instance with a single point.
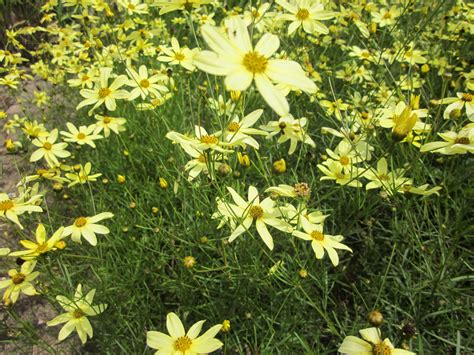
(273, 97)
(264, 234)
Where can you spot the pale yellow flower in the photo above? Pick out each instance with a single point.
(49, 149)
(19, 282)
(41, 246)
(86, 227)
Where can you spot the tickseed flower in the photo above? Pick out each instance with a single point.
(103, 93)
(49, 149)
(321, 241)
(77, 310)
(181, 343)
(382, 178)
(200, 162)
(301, 189)
(202, 142)
(462, 100)
(34, 129)
(334, 170)
(87, 228)
(305, 13)
(177, 55)
(238, 132)
(371, 343)
(233, 56)
(290, 129)
(386, 17)
(244, 213)
(84, 79)
(144, 85)
(461, 142)
(108, 123)
(173, 5)
(133, 6)
(11, 208)
(41, 246)
(81, 136)
(83, 175)
(20, 282)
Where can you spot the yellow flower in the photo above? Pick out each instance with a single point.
(243, 214)
(461, 142)
(371, 343)
(305, 13)
(77, 310)
(49, 149)
(173, 5)
(87, 228)
(321, 241)
(103, 93)
(20, 282)
(81, 136)
(83, 175)
(12, 208)
(178, 55)
(108, 123)
(181, 343)
(41, 246)
(232, 55)
(144, 85)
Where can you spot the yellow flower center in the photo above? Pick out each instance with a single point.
(6, 205)
(41, 248)
(256, 212)
(131, 7)
(460, 140)
(106, 119)
(255, 62)
(179, 56)
(78, 313)
(302, 14)
(144, 83)
(81, 136)
(317, 235)
(383, 177)
(104, 92)
(387, 15)
(209, 139)
(18, 278)
(47, 145)
(344, 160)
(80, 222)
(85, 77)
(202, 159)
(233, 127)
(183, 343)
(382, 349)
(255, 13)
(466, 97)
(365, 54)
(340, 176)
(41, 172)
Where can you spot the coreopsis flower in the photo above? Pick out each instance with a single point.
(403, 119)
(77, 310)
(173, 5)
(294, 214)
(87, 227)
(346, 154)
(421, 190)
(133, 6)
(362, 54)
(103, 93)
(321, 241)
(84, 80)
(239, 131)
(290, 129)
(386, 17)
(83, 175)
(202, 142)
(11, 208)
(144, 85)
(41, 246)
(177, 55)
(220, 106)
(53, 174)
(461, 142)
(243, 214)
(108, 123)
(334, 170)
(178, 342)
(306, 14)
(463, 100)
(19, 282)
(49, 149)
(389, 181)
(200, 162)
(34, 129)
(232, 55)
(83, 135)
(371, 343)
